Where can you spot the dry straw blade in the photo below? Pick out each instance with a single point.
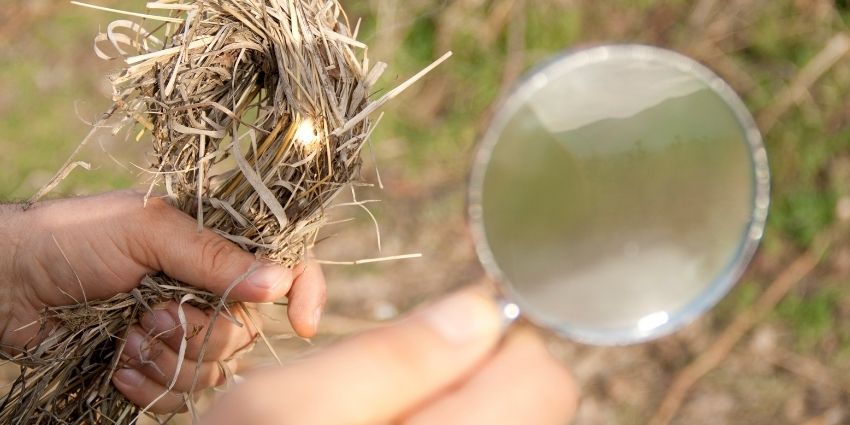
(256, 111)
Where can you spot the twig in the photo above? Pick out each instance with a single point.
(516, 44)
(124, 12)
(504, 14)
(220, 99)
(701, 13)
(372, 107)
(723, 345)
(70, 164)
(63, 173)
(836, 49)
(810, 370)
(370, 260)
(15, 19)
(833, 416)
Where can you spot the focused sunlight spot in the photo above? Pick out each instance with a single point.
(306, 133)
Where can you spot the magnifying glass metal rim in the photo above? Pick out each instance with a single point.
(537, 80)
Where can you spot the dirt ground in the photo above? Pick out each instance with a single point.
(775, 351)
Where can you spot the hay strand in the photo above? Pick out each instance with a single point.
(256, 112)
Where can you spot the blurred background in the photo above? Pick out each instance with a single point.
(776, 351)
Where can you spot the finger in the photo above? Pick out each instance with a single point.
(522, 384)
(392, 369)
(170, 242)
(306, 299)
(226, 338)
(142, 391)
(160, 364)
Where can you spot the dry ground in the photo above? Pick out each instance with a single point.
(786, 57)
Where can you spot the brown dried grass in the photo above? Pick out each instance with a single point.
(257, 111)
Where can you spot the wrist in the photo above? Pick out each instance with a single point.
(11, 217)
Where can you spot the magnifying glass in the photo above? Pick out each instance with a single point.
(618, 194)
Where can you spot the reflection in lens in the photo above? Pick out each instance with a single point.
(617, 195)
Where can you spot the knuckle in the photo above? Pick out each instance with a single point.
(216, 254)
(170, 403)
(155, 208)
(212, 376)
(157, 204)
(186, 380)
(224, 341)
(198, 345)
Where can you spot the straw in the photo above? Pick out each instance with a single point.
(256, 112)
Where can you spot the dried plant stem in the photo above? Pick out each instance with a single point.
(836, 49)
(256, 112)
(723, 345)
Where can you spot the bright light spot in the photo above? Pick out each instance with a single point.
(306, 133)
(653, 321)
(511, 311)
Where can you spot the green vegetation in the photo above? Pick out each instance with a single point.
(48, 72)
(812, 317)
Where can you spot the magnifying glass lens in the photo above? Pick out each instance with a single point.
(619, 194)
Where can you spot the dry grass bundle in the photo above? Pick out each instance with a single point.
(257, 111)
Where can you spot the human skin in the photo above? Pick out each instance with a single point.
(65, 251)
(449, 363)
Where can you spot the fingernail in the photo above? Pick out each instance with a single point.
(317, 316)
(463, 317)
(158, 322)
(129, 377)
(269, 276)
(135, 345)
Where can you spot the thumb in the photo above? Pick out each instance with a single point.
(394, 369)
(205, 260)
